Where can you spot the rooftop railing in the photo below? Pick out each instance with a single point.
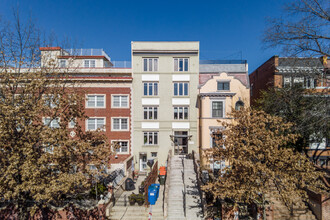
(87, 52)
(122, 64)
(223, 62)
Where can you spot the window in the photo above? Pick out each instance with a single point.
(153, 154)
(119, 123)
(239, 105)
(217, 109)
(150, 88)
(123, 147)
(287, 81)
(150, 64)
(72, 123)
(119, 101)
(51, 101)
(49, 149)
(89, 63)
(51, 123)
(180, 113)
(95, 123)
(216, 137)
(95, 101)
(181, 64)
(310, 82)
(181, 89)
(150, 113)
(150, 138)
(305, 82)
(62, 63)
(223, 86)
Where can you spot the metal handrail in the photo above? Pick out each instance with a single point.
(184, 189)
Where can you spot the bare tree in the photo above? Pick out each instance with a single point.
(302, 30)
(42, 160)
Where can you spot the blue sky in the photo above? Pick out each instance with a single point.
(226, 29)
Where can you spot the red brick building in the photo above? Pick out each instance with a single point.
(284, 71)
(311, 73)
(107, 95)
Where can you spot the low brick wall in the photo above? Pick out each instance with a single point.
(320, 205)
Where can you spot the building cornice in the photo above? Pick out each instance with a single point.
(217, 94)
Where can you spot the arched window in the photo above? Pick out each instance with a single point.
(239, 105)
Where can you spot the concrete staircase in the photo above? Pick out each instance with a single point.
(300, 210)
(177, 187)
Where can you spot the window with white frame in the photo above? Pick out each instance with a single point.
(287, 81)
(306, 82)
(181, 64)
(150, 64)
(89, 63)
(123, 147)
(223, 86)
(62, 63)
(150, 113)
(52, 123)
(153, 154)
(95, 101)
(72, 123)
(180, 113)
(95, 123)
(49, 149)
(150, 88)
(217, 109)
(181, 88)
(51, 100)
(119, 101)
(150, 138)
(119, 123)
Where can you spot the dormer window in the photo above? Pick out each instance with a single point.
(89, 63)
(223, 86)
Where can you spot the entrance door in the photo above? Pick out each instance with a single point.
(180, 142)
(143, 161)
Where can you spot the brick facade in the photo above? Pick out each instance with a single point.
(262, 78)
(110, 112)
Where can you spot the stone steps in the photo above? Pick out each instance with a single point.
(136, 212)
(176, 187)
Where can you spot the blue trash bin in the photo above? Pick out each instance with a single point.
(152, 195)
(157, 187)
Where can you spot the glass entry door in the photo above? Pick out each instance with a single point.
(180, 142)
(143, 161)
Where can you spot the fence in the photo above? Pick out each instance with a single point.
(168, 173)
(151, 178)
(115, 177)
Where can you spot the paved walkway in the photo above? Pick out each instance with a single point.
(124, 211)
(183, 169)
